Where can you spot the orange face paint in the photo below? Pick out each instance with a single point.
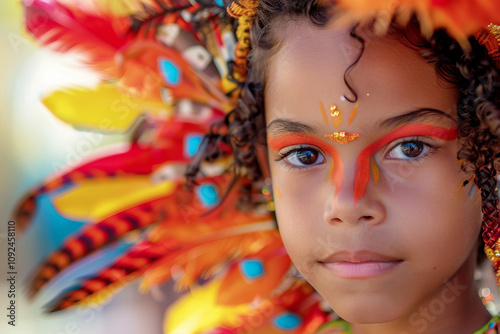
(337, 170)
(362, 162)
(353, 113)
(375, 172)
(323, 112)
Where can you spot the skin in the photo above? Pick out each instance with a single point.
(412, 215)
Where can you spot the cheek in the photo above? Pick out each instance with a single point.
(433, 216)
(299, 210)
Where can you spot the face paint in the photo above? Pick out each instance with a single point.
(375, 172)
(330, 172)
(337, 171)
(323, 112)
(336, 116)
(342, 137)
(463, 185)
(362, 162)
(278, 192)
(353, 113)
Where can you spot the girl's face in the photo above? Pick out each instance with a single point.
(379, 225)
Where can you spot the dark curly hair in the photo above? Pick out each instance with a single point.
(472, 72)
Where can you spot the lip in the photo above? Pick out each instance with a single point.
(359, 264)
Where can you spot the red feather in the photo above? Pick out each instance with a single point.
(94, 237)
(125, 269)
(65, 29)
(139, 159)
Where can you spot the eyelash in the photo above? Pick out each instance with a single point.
(432, 149)
(283, 155)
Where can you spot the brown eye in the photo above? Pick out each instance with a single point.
(305, 157)
(413, 149)
(409, 150)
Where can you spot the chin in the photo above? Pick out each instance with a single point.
(358, 317)
(360, 310)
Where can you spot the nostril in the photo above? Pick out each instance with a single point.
(367, 218)
(337, 220)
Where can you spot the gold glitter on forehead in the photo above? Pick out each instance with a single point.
(342, 137)
(334, 111)
(336, 116)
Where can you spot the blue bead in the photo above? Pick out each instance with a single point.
(287, 321)
(207, 195)
(220, 3)
(191, 143)
(491, 325)
(170, 72)
(252, 269)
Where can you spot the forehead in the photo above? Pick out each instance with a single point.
(390, 78)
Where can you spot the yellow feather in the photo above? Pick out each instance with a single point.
(198, 312)
(104, 108)
(99, 199)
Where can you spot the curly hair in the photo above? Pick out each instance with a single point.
(471, 71)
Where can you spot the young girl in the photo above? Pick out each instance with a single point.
(378, 138)
(363, 138)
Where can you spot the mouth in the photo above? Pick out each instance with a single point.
(359, 264)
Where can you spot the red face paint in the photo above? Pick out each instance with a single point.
(362, 174)
(337, 173)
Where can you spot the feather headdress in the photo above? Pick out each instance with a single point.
(168, 61)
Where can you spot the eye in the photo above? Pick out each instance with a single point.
(409, 149)
(303, 157)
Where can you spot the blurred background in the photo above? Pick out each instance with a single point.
(34, 145)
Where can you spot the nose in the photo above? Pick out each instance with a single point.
(342, 207)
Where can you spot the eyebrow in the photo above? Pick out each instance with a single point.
(281, 126)
(418, 115)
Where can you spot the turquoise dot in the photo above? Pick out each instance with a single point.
(207, 195)
(220, 3)
(287, 321)
(252, 269)
(191, 144)
(170, 72)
